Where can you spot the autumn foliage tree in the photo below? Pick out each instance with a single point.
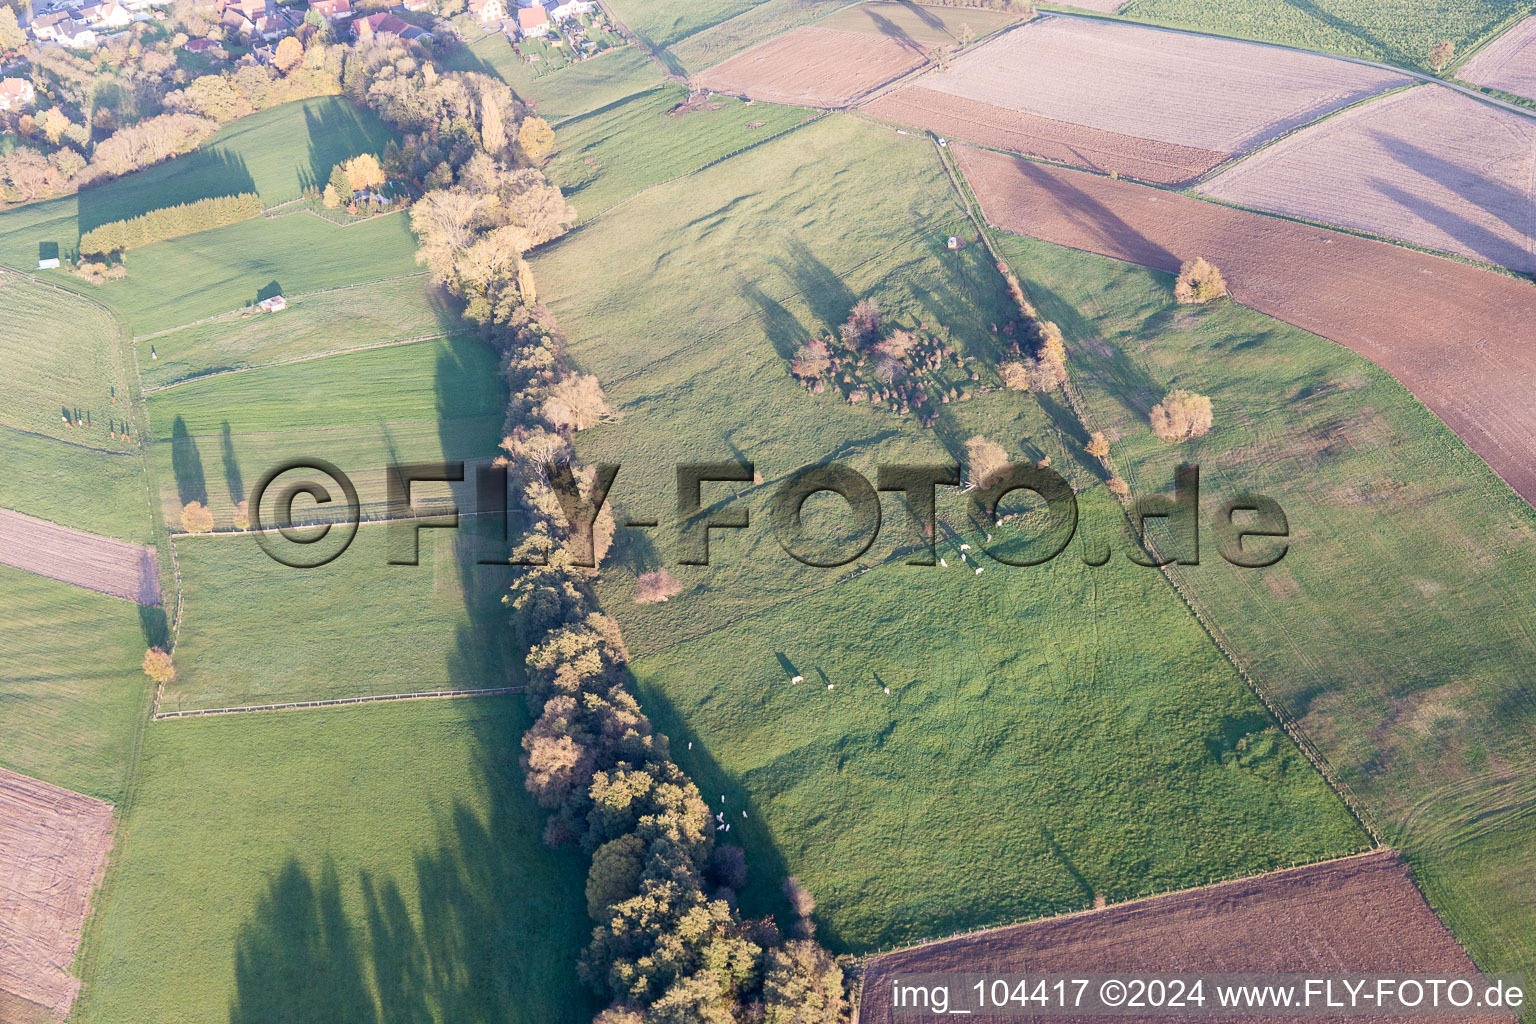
(536, 139)
(985, 458)
(158, 666)
(289, 54)
(195, 518)
(1098, 445)
(1441, 54)
(1181, 416)
(1199, 281)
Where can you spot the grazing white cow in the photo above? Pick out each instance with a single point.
(943, 563)
(980, 570)
(798, 679)
(965, 547)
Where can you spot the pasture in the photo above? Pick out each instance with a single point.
(687, 302)
(651, 137)
(356, 627)
(692, 37)
(918, 23)
(357, 864)
(581, 88)
(1396, 33)
(314, 324)
(171, 284)
(363, 411)
(85, 488)
(1428, 166)
(1508, 64)
(63, 360)
(74, 694)
(1403, 544)
(276, 153)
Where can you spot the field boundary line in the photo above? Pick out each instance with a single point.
(155, 389)
(135, 339)
(493, 691)
(1282, 717)
(866, 958)
(1362, 61)
(61, 440)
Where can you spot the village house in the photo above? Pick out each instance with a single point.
(62, 28)
(387, 25)
(488, 12)
(533, 21)
(16, 94)
(332, 10)
(568, 9)
(202, 44)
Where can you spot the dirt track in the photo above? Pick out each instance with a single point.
(1428, 165)
(83, 559)
(1508, 63)
(1001, 128)
(1457, 336)
(815, 67)
(53, 850)
(1359, 915)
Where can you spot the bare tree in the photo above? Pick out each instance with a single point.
(985, 458)
(1181, 416)
(656, 587)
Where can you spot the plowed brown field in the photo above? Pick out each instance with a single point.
(53, 850)
(815, 67)
(1457, 336)
(1429, 166)
(1001, 128)
(1362, 915)
(1508, 63)
(1134, 93)
(83, 559)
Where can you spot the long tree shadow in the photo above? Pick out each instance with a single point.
(233, 478)
(187, 465)
(1113, 231)
(1349, 28)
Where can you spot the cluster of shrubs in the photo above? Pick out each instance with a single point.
(870, 361)
(170, 222)
(1039, 360)
(669, 945)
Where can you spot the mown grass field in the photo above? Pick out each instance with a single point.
(96, 491)
(362, 411)
(1396, 33)
(313, 324)
(638, 142)
(692, 37)
(1051, 736)
(171, 284)
(923, 25)
(356, 627)
(276, 153)
(1396, 629)
(364, 865)
(70, 683)
(63, 358)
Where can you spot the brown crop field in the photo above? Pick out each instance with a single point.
(1217, 95)
(815, 67)
(1428, 166)
(1001, 128)
(1457, 336)
(1360, 915)
(53, 850)
(70, 556)
(1508, 63)
(918, 23)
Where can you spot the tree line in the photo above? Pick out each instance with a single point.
(669, 945)
(169, 222)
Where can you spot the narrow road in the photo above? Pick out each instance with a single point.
(1494, 101)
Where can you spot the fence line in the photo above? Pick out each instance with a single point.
(162, 716)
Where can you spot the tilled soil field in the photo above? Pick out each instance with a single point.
(1457, 336)
(1361, 915)
(815, 67)
(97, 563)
(53, 850)
(1508, 63)
(1219, 95)
(1163, 163)
(1428, 165)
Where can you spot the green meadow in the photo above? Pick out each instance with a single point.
(1396, 628)
(365, 864)
(362, 411)
(277, 154)
(314, 324)
(75, 699)
(1395, 33)
(691, 37)
(1052, 736)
